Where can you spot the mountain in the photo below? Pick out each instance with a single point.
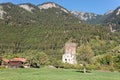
(27, 14)
(30, 26)
(47, 27)
(15, 15)
(110, 18)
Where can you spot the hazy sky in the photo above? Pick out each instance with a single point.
(95, 6)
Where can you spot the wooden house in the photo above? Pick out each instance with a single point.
(14, 63)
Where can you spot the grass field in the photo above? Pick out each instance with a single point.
(55, 74)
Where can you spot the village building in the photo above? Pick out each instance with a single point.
(14, 63)
(70, 53)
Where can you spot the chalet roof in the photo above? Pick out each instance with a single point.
(5, 60)
(19, 59)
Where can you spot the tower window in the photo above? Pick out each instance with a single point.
(66, 60)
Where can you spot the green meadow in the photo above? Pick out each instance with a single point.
(55, 74)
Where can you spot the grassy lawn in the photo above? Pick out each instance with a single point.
(55, 74)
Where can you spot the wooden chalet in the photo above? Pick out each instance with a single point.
(15, 62)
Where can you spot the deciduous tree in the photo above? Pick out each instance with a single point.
(84, 55)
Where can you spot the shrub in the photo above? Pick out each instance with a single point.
(119, 70)
(67, 66)
(2, 67)
(112, 69)
(107, 68)
(92, 67)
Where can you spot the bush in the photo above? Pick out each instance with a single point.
(119, 70)
(37, 58)
(67, 66)
(107, 68)
(57, 63)
(92, 67)
(2, 67)
(112, 69)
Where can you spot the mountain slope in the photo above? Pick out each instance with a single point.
(28, 14)
(28, 27)
(16, 15)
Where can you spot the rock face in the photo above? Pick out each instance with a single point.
(118, 12)
(84, 15)
(108, 12)
(47, 6)
(2, 12)
(26, 7)
(51, 5)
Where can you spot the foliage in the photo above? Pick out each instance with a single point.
(36, 58)
(92, 67)
(117, 61)
(107, 60)
(85, 54)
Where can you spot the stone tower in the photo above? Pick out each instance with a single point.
(70, 53)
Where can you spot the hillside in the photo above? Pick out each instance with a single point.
(38, 27)
(46, 28)
(32, 26)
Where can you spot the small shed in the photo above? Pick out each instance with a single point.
(16, 63)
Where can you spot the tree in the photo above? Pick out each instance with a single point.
(36, 58)
(84, 55)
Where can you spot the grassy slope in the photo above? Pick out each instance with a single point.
(55, 74)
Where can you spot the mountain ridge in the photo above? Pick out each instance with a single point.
(111, 17)
(85, 16)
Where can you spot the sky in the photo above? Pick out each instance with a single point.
(94, 6)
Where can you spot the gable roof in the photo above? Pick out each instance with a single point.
(19, 59)
(5, 60)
